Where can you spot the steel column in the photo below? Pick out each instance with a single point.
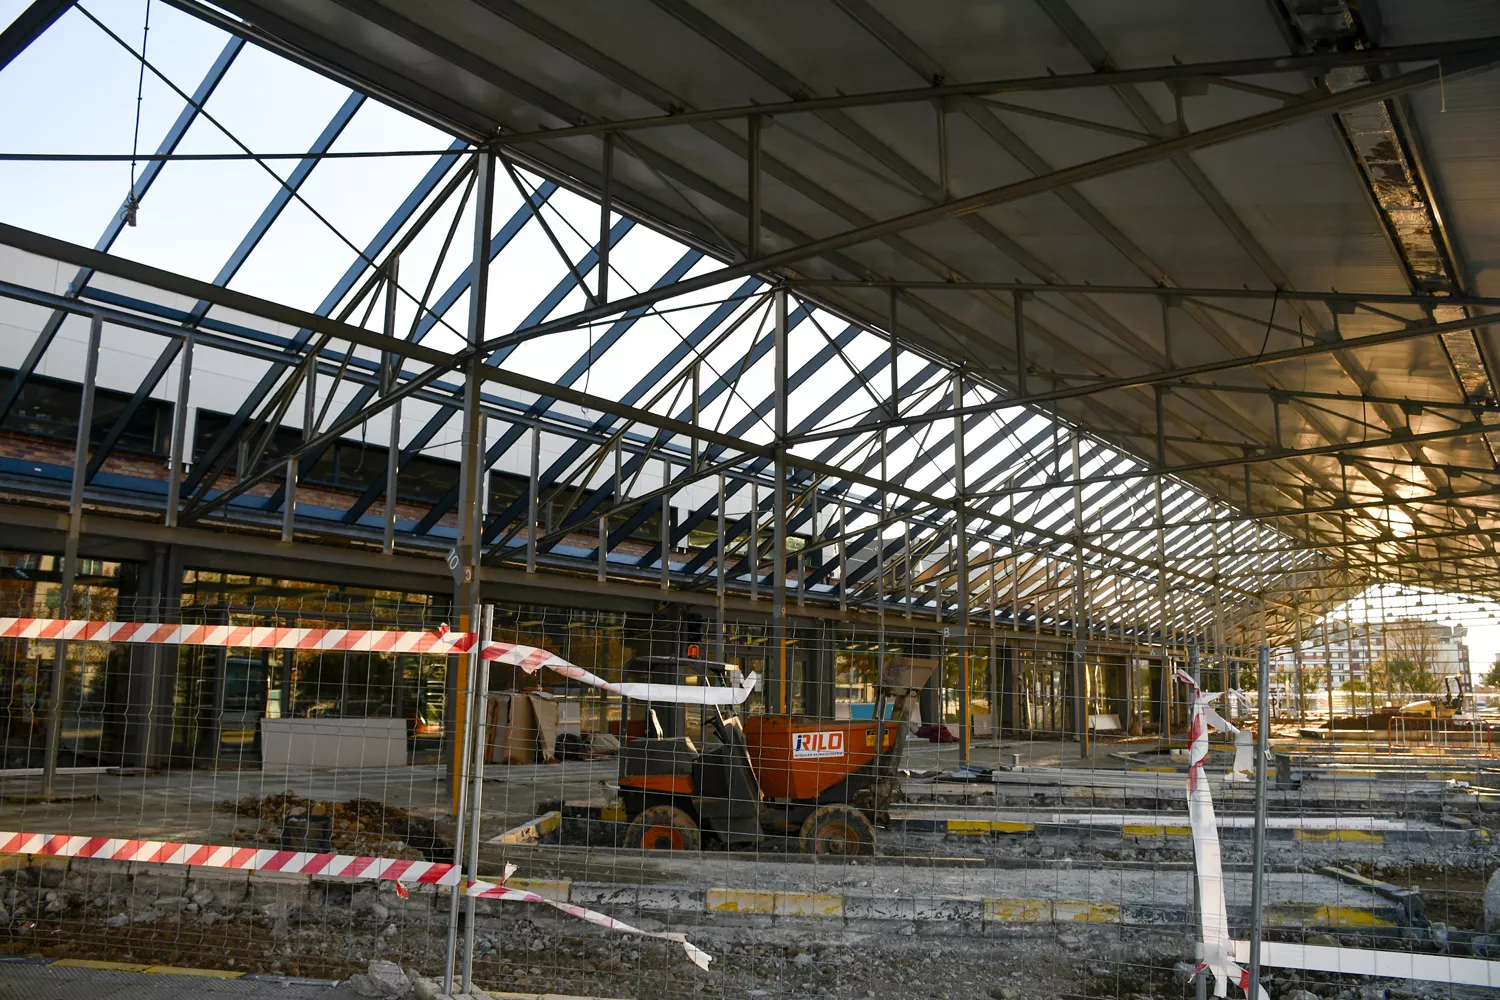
(606, 199)
(393, 452)
(472, 484)
(1258, 848)
(664, 533)
(179, 449)
(961, 566)
(778, 526)
(478, 717)
(533, 487)
(70, 556)
(1080, 611)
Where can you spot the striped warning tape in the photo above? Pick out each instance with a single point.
(261, 637)
(242, 858)
(398, 870)
(442, 641)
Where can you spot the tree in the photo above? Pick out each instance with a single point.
(1492, 676)
(1405, 677)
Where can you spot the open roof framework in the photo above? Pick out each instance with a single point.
(1157, 321)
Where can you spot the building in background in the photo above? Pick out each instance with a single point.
(1406, 656)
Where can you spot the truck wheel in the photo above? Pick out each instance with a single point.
(838, 831)
(664, 828)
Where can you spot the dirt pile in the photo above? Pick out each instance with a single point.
(358, 826)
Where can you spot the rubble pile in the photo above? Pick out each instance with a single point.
(358, 826)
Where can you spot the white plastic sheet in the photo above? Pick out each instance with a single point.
(1218, 947)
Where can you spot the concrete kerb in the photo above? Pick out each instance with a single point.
(263, 887)
(964, 828)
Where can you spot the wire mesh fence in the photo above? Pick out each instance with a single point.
(840, 808)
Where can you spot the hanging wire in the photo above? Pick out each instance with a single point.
(131, 201)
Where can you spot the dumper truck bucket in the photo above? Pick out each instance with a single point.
(903, 675)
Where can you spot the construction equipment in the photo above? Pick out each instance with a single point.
(827, 783)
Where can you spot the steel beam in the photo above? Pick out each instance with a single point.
(1067, 176)
(29, 26)
(1146, 379)
(1053, 82)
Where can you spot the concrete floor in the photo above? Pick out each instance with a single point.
(20, 981)
(185, 805)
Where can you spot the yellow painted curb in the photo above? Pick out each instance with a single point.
(1020, 911)
(172, 970)
(1137, 830)
(740, 901)
(1342, 836)
(1085, 912)
(984, 827)
(808, 904)
(89, 963)
(554, 889)
(1293, 915)
(536, 996)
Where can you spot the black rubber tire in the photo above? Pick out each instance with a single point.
(838, 831)
(664, 828)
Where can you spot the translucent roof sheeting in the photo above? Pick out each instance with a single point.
(1164, 350)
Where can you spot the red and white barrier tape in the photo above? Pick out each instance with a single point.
(528, 658)
(491, 890)
(239, 858)
(1213, 911)
(397, 870)
(352, 640)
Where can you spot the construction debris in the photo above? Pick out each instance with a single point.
(358, 826)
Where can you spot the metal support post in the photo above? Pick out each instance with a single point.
(606, 198)
(472, 480)
(961, 566)
(720, 567)
(603, 549)
(1200, 981)
(1328, 672)
(1258, 850)
(1017, 298)
(843, 557)
(879, 535)
(478, 716)
(309, 431)
(1349, 659)
(752, 547)
(1080, 612)
(665, 539)
(778, 504)
(1297, 659)
(1161, 601)
(179, 449)
(722, 561)
(906, 563)
(70, 556)
(895, 400)
(697, 414)
(532, 488)
(752, 237)
(388, 377)
(994, 662)
(460, 783)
